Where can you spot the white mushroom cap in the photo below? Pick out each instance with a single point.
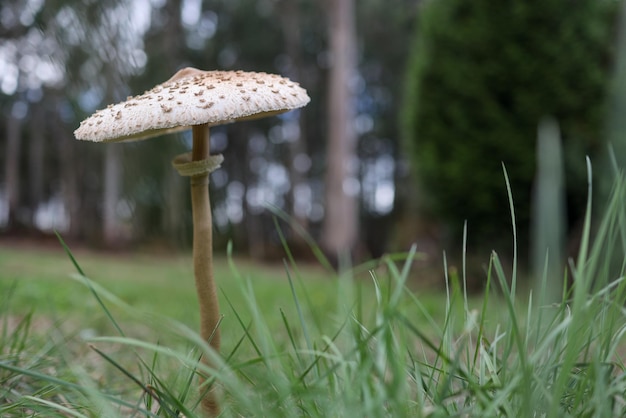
(194, 97)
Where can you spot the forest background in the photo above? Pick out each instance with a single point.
(416, 106)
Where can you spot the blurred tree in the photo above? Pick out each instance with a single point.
(55, 46)
(616, 123)
(12, 156)
(159, 194)
(37, 161)
(115, 34)
(341, 220)
(383, 34)
(291, 23)
(547, 236)
(29, 67)
(482, 76)
(100, 52)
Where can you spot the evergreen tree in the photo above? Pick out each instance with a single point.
(482, 76)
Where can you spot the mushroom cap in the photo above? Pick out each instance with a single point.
(193, 97)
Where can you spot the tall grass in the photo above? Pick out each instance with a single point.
(369, 357)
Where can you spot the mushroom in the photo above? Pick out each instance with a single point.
(196, 99)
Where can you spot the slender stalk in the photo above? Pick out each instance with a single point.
(203, 255)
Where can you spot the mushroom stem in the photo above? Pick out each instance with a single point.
(203, 255)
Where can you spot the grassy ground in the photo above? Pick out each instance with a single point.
(42, 280)
(151, 282)
(336, 346)
(44, 303)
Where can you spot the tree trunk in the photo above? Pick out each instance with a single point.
(174, 186)
(291, 22)
(111, 232)
(174, 208)
(548, 215)
(339, 232)
(36, 162)
(12, 170)
(616, 126)
(69, 173)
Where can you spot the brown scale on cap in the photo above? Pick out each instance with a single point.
(230, 95)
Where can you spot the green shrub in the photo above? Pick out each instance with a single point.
(481, 77)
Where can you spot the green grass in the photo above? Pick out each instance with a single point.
(43, 281)
(345, 346)
(147, 281)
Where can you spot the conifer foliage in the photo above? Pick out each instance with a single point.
(481, 78)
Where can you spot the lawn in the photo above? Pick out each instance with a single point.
(44, 301)
(43, 280)
(157, 283)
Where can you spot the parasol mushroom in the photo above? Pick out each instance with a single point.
(196, 99)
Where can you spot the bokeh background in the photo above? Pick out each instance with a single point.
(417, 105)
